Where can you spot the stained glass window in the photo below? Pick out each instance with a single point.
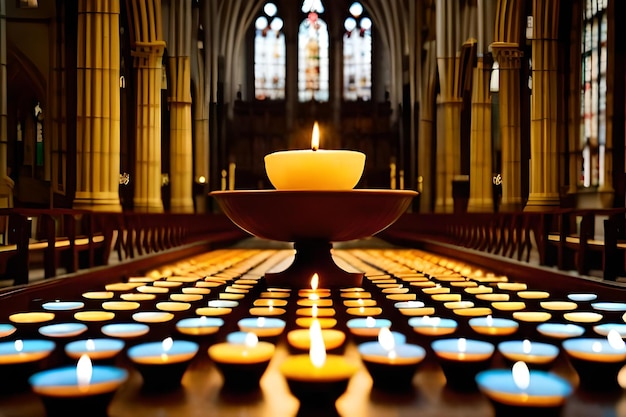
(313, 59)
(357, 55)
(269, 55)
(593, 91)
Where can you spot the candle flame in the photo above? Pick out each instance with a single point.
(359, 302)
(270, 309)
(167, 344)
(370, 322)
(314, 311)
(615, 340)
(489, 320)
(90, 345)
(315, 280)
(315, 138)
(596, 347)
(462, 344)
(260, 322)
(251, 340)
(521, 375)
(19, 345)
(526, 346)
(317, 351)
(361, 309)
(84, 369)
(386, 340)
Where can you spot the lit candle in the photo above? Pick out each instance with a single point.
(391, 365)
(301, 338)
(152, 316)
(520, 387)
(267, 311)
(491, 326)
(581, 297)
(317, 378)
(262, 326)
(62, 330)
(461, 359)
(24, 351)
(367, 327)
(558, 305)
(314, 169)
(199, 326)
(59, 305)
(162, 364)
(125, 330)
(6, 329)
(242, 364)
(94, 316)
(266, 302)
(364, 311)
(532, 316)
(95, 349)
(605, 328)
(534, 353)
(72, 390)
(560, 330)
(433, 326)
(173, 306)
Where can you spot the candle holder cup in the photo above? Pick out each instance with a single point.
(312, 220)
(241, 377)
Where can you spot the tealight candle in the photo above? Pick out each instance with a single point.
(59, 305)
(560, 330)
(6, 329)
(199, 326)
(262, 326)
(125, 330)
(266, 302)
(162, 364)
(367, 327)
(301, 338)
(432, 326)
(364, 311)
(532, 316)
(314, 169)
(324, 322)
(24, 351)
(519, 387)
(267, 311)
(461, 359)
(152, 316)
(493, 326)
(359, 303)
(95, 349)
(317, 379)
(173, 306)
(71, 390)
(242, 364)
(597, 360)
(605, 328)
(534, 353)
(391, 365)
(61, 330)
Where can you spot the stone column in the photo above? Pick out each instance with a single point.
(544, 151)
(509, 58)
(448, 149)
(6, 183)
(181, 149)
(147, 181)
(98, 106)
(481, 171)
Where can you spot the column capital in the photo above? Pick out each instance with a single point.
(507, 54)
(144, 53)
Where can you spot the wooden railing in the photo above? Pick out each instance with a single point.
(68, 240)
(588, 241)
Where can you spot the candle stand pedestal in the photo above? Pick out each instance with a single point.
(597, 376)
(241, 377)
(313, 219)
(162, 377)
(92, 405)
(392, 378)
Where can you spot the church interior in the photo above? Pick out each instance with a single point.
(313, 207)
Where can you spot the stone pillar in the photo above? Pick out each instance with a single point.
(147, 181)
(509, 58)
(181, 164)
(481, 171)
(544, 150)
(98, 106)
(448, 149)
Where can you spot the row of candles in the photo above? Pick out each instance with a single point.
(242, 357)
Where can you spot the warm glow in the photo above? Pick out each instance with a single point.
(167, 344)
(526, 346)
(462, 344)
(84, 371)
(361, 309)
(315, 144)
(317, 351)
(19, 345)
(90, 345)
(314, 311)
(521, 375)
(315, 280)
(360, 301)
(370, 322)
(251, 340)
(386, 340)
(615, 340)
(489, 321)
(260, 322)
